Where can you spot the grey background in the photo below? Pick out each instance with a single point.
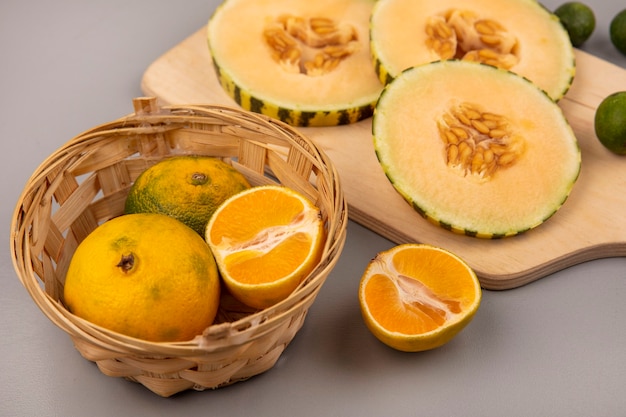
(555, 347)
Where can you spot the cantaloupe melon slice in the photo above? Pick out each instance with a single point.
(519, 35)
(304, 62)
(476, 149)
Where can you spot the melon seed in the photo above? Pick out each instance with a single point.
(478, 143)
(313, 46)
(461, 34)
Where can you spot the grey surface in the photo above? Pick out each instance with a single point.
(555, 347)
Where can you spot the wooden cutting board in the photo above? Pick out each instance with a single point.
(590, 225)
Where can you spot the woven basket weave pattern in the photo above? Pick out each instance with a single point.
(85, 182)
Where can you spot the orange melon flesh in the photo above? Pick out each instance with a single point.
(545, 53)
(411, 152)
(250, 74)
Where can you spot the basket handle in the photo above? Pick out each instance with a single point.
(145, 105)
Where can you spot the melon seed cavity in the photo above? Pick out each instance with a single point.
(311, 46)
(461, 34)
(478, 143)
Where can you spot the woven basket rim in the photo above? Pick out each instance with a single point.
(133, 124)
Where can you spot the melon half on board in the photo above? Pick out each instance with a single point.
(518, 35)
(476, 149)
(304, 62)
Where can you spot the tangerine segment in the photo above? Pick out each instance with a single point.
(416, 297)
(265, 240)
(272, 208)
(285, 252)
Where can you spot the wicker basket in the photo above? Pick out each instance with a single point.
(85, 183)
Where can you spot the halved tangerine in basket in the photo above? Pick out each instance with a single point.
(265, 240)
(417, 297)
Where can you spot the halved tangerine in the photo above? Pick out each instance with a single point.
(417, 297)
(265, 240)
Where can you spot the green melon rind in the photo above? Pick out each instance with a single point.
(291, 116)
(471, 233)
(341, 115)
(449, 225)
(385, 76)
(464, 231)
(446, 225)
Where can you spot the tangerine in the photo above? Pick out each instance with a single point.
(417, 297)
(265, 240)
(188, 188)
(144, 275)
